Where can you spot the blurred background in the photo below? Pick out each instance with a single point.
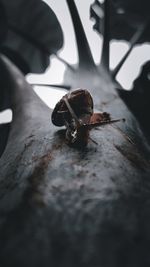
(55, 72)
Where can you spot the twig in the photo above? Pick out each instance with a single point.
(60, 86)
(72, 112)
(93, 125)
(64, 62)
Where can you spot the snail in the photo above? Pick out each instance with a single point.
(75, 112)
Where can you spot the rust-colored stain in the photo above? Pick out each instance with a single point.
(40, 169)
(34, 192)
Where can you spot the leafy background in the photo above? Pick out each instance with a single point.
(55, 71)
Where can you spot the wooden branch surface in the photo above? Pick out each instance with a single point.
(61, 206)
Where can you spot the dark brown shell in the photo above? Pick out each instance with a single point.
(81, 102)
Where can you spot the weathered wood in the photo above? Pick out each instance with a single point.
(61, 206)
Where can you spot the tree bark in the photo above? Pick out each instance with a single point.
(61, 206)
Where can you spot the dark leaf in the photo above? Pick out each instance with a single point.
(125, 18)
(3, 22)
(33, 34)
(139, 97)
(4, 132)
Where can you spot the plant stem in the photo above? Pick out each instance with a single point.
(64, 62)
(106, 36)
(84, 51)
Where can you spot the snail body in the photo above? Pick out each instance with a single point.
(75, 112)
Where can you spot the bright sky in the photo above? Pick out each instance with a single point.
(54, 74)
